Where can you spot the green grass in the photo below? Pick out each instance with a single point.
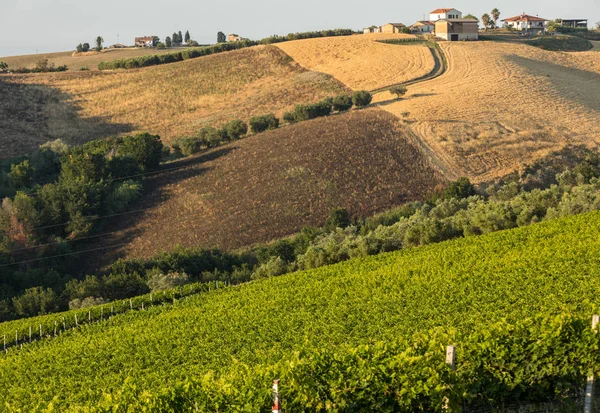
(496, 296)
(561, 43)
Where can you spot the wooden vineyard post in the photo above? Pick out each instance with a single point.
(89, 316)
(151, 300)
(64, 325)
(589, 389)
(30, 334)
(130, 304)
(112, 310)
(40, 331)
(142, 305)
(451, 362)
(55, 326)
(276, 398)
(101, 313)
(76, 322)
(16, 337)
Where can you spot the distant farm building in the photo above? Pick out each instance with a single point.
(146, 41)
(423, 26)
(526, 23)
(372, 29)
(439, 14)
(117, 46)
(234, 38)
(574, 23)
(392, 28)
(457, 29)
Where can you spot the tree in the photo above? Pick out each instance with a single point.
(168, 41)
(338, 218)
(495, 15)
(362, 98)
(155, 40)
(399, 91)
(179, 38)
(3, 66)
(342, 103)
(86, 47)
(187, 37)
(145, 148)
(221, 38)
(470, 16)
(262, 123)
(553, 26)
(236, 129)
(79, 48)
(486, 20)
(462, 188)
(99, 41)
(36, 301)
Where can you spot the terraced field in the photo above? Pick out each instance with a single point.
(361, 62)
(500, 105)
(170, 100)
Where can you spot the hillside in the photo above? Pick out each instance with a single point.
(495, 107)
(300, 323)
(171, 100)
(271, 185)
(87, 60)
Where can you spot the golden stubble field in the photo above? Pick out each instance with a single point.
(361, 62)
(87, 60)
(501, 105)
(170, 100)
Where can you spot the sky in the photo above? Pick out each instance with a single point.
(42, 26)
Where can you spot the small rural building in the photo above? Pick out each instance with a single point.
(423, 26)
(574, 23)
(146, 41)
(439, 14)
(457, 29)
(526, 23)
(234, 38)
(117, 46)
(392, 28)
(372, 29)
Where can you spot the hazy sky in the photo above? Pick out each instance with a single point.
(59, 25)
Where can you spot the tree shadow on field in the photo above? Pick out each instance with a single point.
(33, 114)
(124, 229)
(579, 86)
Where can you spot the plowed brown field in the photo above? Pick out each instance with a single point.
(361, 62)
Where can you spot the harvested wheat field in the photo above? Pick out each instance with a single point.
(171, 100)
(361, 62)
(500, 105)
(272, 184)
(75, 62)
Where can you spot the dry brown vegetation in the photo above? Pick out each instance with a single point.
(272, 184)
(361, 62)
(75, 62)
(170, 100)
(501, 105)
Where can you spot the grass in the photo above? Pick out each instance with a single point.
(457, 288)
(170, 100)
(271, 185)
(88, 60)
(561, 43)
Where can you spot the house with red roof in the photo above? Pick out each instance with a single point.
(447, 13)
(526, 23)
(423, 26)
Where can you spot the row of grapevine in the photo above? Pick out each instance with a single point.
(368, 333)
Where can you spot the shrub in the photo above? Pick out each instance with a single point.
(362, 98)
(462, 188)
(146, 149)
(35, 301)
(338, 218)
(158, 280)
(262, 123)
(188, 146)
(210, 136)
(399, 91)
(76, 304)
(274, 267)
(289, 117)
(342, 103)
(236, 129)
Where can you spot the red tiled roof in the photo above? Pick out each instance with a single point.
(437, 11)
(524, 17)
(425, 22)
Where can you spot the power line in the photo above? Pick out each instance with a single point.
(63, 255)
(62, 242)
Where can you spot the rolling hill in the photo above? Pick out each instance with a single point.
(348, 333)
(272, 184)
(171, 100)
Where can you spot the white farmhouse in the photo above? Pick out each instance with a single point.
(439, 14)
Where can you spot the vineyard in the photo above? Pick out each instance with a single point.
(367, 334)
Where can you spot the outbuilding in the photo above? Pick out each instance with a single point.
(392, 28)
(423, 26)
(457, 29)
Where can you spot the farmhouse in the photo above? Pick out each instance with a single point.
(234, 38)
(392, 28)
(439, 14)
(372, 29)
(423, 26)
(526, 23)
(457, 29)
(146, 41)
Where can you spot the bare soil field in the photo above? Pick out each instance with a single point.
(170, 100)
(88, 60)
(500, 105)
(361, 62)
(272, 184)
